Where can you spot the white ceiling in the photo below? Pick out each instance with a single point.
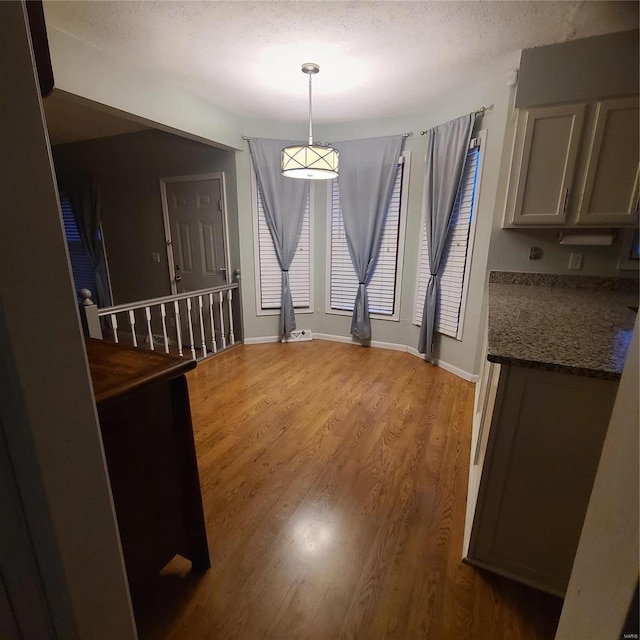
(377, 59)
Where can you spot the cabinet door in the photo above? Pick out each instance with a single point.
(544, 446)
(610, 190)
(544, 171)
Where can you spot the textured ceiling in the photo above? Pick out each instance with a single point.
(376, 59)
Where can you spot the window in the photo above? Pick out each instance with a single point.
(268, 272)
(383, 287)
(83, 275)
(457, 253)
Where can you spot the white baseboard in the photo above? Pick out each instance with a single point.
(465, 375)
(330, 338)
(351, 340)
(392, 346)
(414, 352)
(299, 335)
(262, 340)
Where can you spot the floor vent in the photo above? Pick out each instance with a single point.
(299, 335)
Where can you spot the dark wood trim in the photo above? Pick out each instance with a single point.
(145, 421)
(117, 370)
(40, 45)
(198, 551)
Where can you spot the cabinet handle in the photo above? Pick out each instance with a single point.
(566, 200)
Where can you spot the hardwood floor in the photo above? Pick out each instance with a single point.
(334, 482)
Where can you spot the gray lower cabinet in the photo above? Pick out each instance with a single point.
(533, 464)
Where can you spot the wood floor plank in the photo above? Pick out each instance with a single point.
(334, 482)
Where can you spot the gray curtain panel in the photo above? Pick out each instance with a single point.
(447, 147)
(367, 173)
(284, 203)
(85, 204)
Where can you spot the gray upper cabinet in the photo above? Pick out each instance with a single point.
(544, 164)
(575, 165)
(609, 194)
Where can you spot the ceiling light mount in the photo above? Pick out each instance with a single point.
(311, 161)
(311, 68)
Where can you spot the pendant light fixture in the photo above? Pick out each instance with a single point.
(310, 162)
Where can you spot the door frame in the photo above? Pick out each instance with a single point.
(167, 224)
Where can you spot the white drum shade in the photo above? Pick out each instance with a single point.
(310, 162)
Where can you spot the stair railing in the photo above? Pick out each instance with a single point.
(195, 323)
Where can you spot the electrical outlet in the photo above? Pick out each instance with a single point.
(535, 253)
(155, 257)
(575, 261)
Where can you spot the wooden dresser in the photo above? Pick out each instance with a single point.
(143, 406)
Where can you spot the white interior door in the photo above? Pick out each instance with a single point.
(196, 230)
(197, 250)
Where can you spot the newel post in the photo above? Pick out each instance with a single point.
(89, 315)
(238, 318)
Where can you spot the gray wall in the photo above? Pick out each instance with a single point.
(82, 69)
(494, 248)
(47, 410)
(510, 252)
(488, 89)
(128, 169)
(579, 71)
(131, 165)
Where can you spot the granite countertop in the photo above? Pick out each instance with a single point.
(572, 324)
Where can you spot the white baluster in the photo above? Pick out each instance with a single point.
(176, 309)
(214, 346)
(147, 315)
(232, 338)
(132, 324)
(114, 326)
(223, 340)
(163, 315)
(202, 336)
(191, 340)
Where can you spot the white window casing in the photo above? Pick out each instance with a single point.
(456, 260)
(384, 287)
(267, 269)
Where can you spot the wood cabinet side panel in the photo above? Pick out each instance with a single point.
(486, 391)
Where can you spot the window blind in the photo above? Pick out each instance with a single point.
(452, 274)
(343, 278)
(270, 272)
(83, 274)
